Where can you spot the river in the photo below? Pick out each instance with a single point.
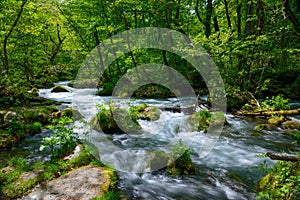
(228, 172)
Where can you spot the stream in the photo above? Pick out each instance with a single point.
(228, 172)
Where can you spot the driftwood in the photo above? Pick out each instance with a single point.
(275, 156)
(269, 113)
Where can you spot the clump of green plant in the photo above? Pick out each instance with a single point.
(282, 182)
(276, 103)
(180, 161)
(113, 120)
(63, 140)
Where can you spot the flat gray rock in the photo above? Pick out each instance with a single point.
(81, 184)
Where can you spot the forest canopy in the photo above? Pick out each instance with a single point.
(254, 43)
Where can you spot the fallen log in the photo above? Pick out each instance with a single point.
(269, 112)
(275, 156)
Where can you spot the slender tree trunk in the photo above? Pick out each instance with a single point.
(249, 14)
(239, 17)
(6, 61)
(57, 46)
(197, 12)
(99, 53)
(216, 25)
(260, 17)
(291, 15)
(207, 21)
(227, 14)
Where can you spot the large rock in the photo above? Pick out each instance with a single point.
(143, 111)
(81, 184)
(115, 120)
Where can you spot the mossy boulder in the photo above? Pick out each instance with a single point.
(159, 160)
(177, 163)
(276, 120)
(201, 120)
(146, 112)
(69, 112)
(267, 127)
(33, 128)
(182, 165)
(59, 88)
(291, 124)
(115, 120)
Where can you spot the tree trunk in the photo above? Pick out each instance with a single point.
(291, 15)
(58, 46)
(227, 14)
(269, 113)
(249, 14)
(275, 156)
(260, 17)
(239, 17)
(207, 21)
(6, 61)
(99, 53)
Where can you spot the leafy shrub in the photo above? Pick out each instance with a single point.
(64, 139)
(276, 103)
(282, 182)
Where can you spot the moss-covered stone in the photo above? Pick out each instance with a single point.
(146, 112)
(59, 88)
(69, 112)
(33, 128)
(291, 124)
(115, 120)
(267, 127)
(201, 120)
(276, 120)
(159, 160)
(177, 163)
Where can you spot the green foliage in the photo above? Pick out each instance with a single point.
(64, 139)
(282, 182)
(111, 195)
(276, 103)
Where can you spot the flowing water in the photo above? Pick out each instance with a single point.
(228, 172)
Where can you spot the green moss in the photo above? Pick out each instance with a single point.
(34, 128)
(59, 88)
(111, 195)
(276, 120)
(267, 127)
